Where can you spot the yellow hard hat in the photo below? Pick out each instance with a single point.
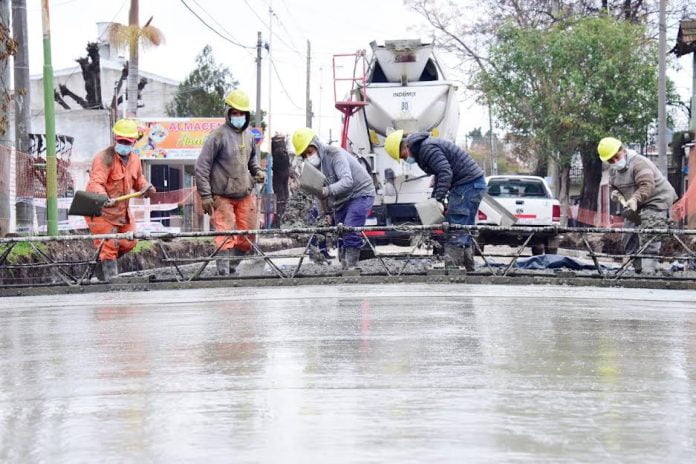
(126, 128)
(238, 99)
(392, 144)
(608, 147)
(301, 139)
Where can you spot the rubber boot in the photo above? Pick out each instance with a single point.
(650, 266)
(110, 268)
(234, 262)
(468, 259)
(223, 263)
(351, 258)
(453, 256)
(342, 257)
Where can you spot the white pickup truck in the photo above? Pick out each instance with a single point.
(530, 201)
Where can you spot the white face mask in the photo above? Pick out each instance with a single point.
(314, 160)
(619, 165)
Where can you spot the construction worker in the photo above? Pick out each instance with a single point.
(457, 178)
(281, 175)
(349, 192)
(226, 170)
(640, 184)
(116, 171)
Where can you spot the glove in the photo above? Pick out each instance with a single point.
(632, 204)
(324, 193)
(109, 203)
(616, 196)
(260, 177)
(441, 205)
(208, 205)
(149, 191)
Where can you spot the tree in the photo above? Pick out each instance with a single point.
(202, 93)
(133, 36)
(567, 86)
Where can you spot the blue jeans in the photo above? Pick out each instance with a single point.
(462, 208)
(353, 213)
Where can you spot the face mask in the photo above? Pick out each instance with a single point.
(238, 121)
(410, 160)
(314, 160)
(122, 149)
(619, 165)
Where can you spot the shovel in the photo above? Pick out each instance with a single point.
(91, 204)
(627, 212)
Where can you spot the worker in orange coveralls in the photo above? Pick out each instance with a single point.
(226, 170)
(116, 171)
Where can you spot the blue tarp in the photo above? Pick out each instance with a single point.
(542, 262)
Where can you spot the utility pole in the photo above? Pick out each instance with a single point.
(22, 97)
(693, 92)
(661, 94)
(494, 164)
(5, 145)
(49, 116)
(259, 46)
(269, 157)
(132, 83)
(308, 102)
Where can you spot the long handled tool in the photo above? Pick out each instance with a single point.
(91, 204)
(627, 212)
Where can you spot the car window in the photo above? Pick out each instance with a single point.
(516, 188)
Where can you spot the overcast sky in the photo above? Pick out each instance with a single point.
(332, 26)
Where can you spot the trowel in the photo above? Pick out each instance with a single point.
(627, 212)
(91, 204)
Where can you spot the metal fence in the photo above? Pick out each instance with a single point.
(70, 268)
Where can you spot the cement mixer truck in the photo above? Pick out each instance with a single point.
(402, 87)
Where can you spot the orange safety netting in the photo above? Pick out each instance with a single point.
(30, 175)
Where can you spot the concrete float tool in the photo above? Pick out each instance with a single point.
(91, 204)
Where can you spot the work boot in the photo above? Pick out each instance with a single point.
(223, 263)
(650, 266)
(110, 269)
(468, 259)
(351, 258)
(454, 256)
(234, 262)
(342, 257)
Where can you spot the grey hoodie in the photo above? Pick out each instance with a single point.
(641, 179)
(346, 177)
(227, 163)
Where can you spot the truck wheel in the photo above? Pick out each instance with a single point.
(537, 250)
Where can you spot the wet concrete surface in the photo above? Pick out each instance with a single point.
(390, 373)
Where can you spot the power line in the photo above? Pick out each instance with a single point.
(283, 86)
(233, 42)
(294, 49)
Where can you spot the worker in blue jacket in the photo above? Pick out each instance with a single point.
(458, 179)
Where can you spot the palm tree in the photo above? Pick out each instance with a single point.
(133, 36)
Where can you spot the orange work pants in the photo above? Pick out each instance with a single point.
(112, 249)
(235, 214)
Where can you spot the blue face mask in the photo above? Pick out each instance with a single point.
(238, 121)
(122, 149)
(411, 160)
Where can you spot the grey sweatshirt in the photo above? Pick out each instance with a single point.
(227, 163)
(642, 180)
(346, 177)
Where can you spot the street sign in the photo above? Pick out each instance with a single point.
(258, 134)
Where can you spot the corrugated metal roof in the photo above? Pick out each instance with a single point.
(686, 38)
